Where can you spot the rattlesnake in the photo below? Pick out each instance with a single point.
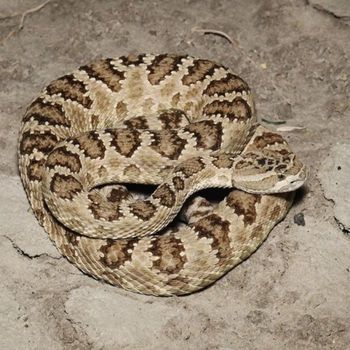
(179, 122)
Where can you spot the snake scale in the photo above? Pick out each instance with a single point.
(179, 123)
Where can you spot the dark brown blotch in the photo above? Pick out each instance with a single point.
(165, 195)
(276, 212)
(208, 134)
(132, 59)
(228, 84)
(199, 70)
(162, 66)
(169, 253)
(178, 183)
(168, 143)
(35, 169)
(116, 195)
(217, 229)
(70, 243)
(91, 145)
(269, 138)
(104, 71)
(116, 253)
(238, 109)
(62, 157)
(251, 160)
(190, 167)
(125, 142)
(65, 186)
(47, 113)
(70, 89)
(173, 118)
(103, 209)
(244, 204)
(143, 209)
(40, 141)
(223, 161)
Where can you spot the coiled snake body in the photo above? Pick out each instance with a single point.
(178, 122)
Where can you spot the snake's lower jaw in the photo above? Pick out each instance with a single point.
(291, 186)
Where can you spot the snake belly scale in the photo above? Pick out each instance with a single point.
(178, 122)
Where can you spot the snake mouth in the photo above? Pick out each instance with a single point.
(291, 182)
(291, 186)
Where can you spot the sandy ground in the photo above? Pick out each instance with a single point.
(294, 292)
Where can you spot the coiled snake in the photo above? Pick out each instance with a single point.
(181, 123)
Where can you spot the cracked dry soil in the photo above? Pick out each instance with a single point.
(294, 291)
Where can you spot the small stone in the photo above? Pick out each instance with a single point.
(299, 219)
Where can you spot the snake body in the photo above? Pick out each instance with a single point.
(178, 122)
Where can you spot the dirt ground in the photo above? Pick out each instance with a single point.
(294, 292)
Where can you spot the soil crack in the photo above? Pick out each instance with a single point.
(326, 11)
(21, 252)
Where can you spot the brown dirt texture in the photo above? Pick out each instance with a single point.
(294, 292)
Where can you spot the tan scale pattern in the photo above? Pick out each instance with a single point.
(178, 122)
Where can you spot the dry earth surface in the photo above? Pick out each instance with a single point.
(294, 292)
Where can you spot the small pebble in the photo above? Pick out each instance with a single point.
(299, 219)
